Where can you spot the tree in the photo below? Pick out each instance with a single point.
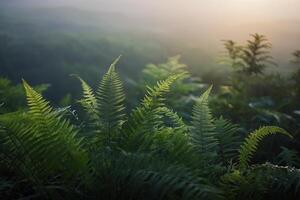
(296, 75)
(233, 54)
(256, 55)
(296, 56)
(252, 58)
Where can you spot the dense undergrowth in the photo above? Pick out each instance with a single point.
(150, 152)
(184, 139)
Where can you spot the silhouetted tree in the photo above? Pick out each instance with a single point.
(252, 58)
(296, 75)
(233, 54)
(296, 56)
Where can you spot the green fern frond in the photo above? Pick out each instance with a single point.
(170, 139)
(47, 144)
(175, 121)
(289, 157)
(88, 101)
(202, 128)
(251, 143)
(39, 108)
(146, 118)
(177, 178)
(155, 95)
(142, 174)
(285, 180)
(228, 139)
(56, 125)
(110, 101)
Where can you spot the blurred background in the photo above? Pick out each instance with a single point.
(45, 41)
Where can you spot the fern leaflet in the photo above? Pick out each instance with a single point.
(251, 143)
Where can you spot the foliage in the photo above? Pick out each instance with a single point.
(203, 129)
(296, 75)
(265, 181)
(233, 54)
(288, 157)
(12, 97)
(44, 128)
(252, 58)
(149, 154)
(229, 140)
(262, 98)
(296, 56)
(252, 141)
(256, 55)
(183, 91)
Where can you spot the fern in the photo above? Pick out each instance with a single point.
(175, 121)
(170, 140)
(110, 99)
(146, 118)
(279, 182)
(246, 185)
(152, 154)
(47, 144)
(155, 96)
(88, 101)
(289, 157)
(177, 179)
(228, 140)
(145, 175)
(251, 143)
(105, 109)
(203, 135)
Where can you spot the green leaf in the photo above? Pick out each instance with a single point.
(202, 132)
(252, 141)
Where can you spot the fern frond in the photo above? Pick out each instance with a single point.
(155, 95)
(170, 139)
(289, 157)
(173, 120)
(110, 99)
(283, 181)
(251, 143)
(39, 108)
(47, 144)
(228, 139)
(202, 128)
(136, 175)
(146, 118)
(88, 100)
(178, 179)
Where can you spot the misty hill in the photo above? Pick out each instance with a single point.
(47, 43)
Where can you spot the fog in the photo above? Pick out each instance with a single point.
(193, 23)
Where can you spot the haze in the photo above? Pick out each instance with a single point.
(197, 23)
